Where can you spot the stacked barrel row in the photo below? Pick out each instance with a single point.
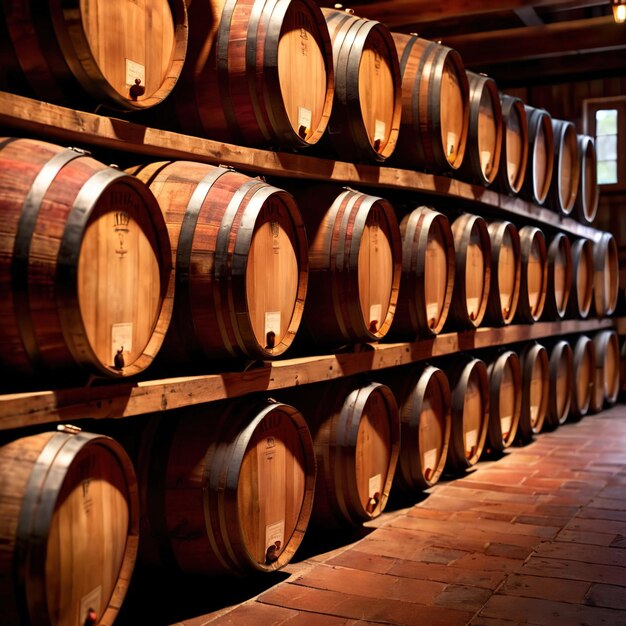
(296, 76)
(215, 264)
(230, 487)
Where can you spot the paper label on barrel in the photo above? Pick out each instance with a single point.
(451, 143)
(375, 485)
(485, 159)
(429, 460)
(472, 305)
(379, 131)
(275, 534)
(304, 117)
(135, 71)
(272, 323)
(376, 311)
(93, 601)
(121, 339)
(505, 424)
(471, 438)
(432, 312)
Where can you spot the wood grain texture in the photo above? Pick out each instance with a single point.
(70, 522)
(505, 400)
(241, 261)
(428, 270)
(227, 489)
(85, 264)
(560, 271)
(514, 157)
(535, 390)
(435, 105)
(88, 51)
(541, 163)
(562, 381)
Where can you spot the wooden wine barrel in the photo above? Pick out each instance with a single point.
(584, 377)
(588, 196)
(469, 410)
(581, 294)
(605, 275)
(355, 263)
(535, 390)
(435, 105)
(505, 400)
(356, 436)
(540, 156)
(561, 384)
(365, 120)
(257, 73)
(559, 277)
(514, 158)
(606, 374)
(484, 139)
(423, 396)
(534, 274)
(564, 184)
(70, 528)
(241, 260)
(226, 488)
(427, 279)
(505, 273)
(124, 55)
(86, 276)
(473, 270)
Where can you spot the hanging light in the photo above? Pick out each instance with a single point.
(619, 11)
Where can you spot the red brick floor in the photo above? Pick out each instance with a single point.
(536, 537)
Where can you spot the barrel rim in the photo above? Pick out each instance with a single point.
(529, 235)
(538, 117)
(511, 105)
(564, 131)
(583, 348)
(559, 241)
(528, 358)
(495, 372)
(559, 349)
(587, 150)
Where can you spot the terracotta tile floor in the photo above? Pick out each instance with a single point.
(536, 537)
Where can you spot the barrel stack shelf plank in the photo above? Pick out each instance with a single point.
(21, 115)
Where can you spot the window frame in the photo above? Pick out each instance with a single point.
(590, 106)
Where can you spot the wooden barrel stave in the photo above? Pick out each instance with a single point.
(235, 239)
(70, 528)
(221, 484)
(435, 105)
(90, 242)
(469, 411)
(427, 280)
(581, 294)
(365, 120)
(473, 271)
(584, 377)
(535, 390)
(423, 396)
(605, 275)
(514, 159)
(533, 275)
(484, 140)
(69, 53)
(540, 156)
(355, 264)
(505, 400)
(561, 383)
(565, 180)
(559, 277)
(586, 206)
(504, 290)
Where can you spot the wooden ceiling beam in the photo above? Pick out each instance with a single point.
(397, 13)
(561, 38)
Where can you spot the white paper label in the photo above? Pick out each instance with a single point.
(432, 312)
(121, 339)
(451, 145)
(375, 485)
(272, 323)
(92, 600)
(472, 305)
(485, 158)
(379, 131)
(135, 71)
(471, 437)
(429, 460)
(505, 424)
(304, 117)
(275, 533)
(376, 310)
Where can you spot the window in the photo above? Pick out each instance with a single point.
(605, 119)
